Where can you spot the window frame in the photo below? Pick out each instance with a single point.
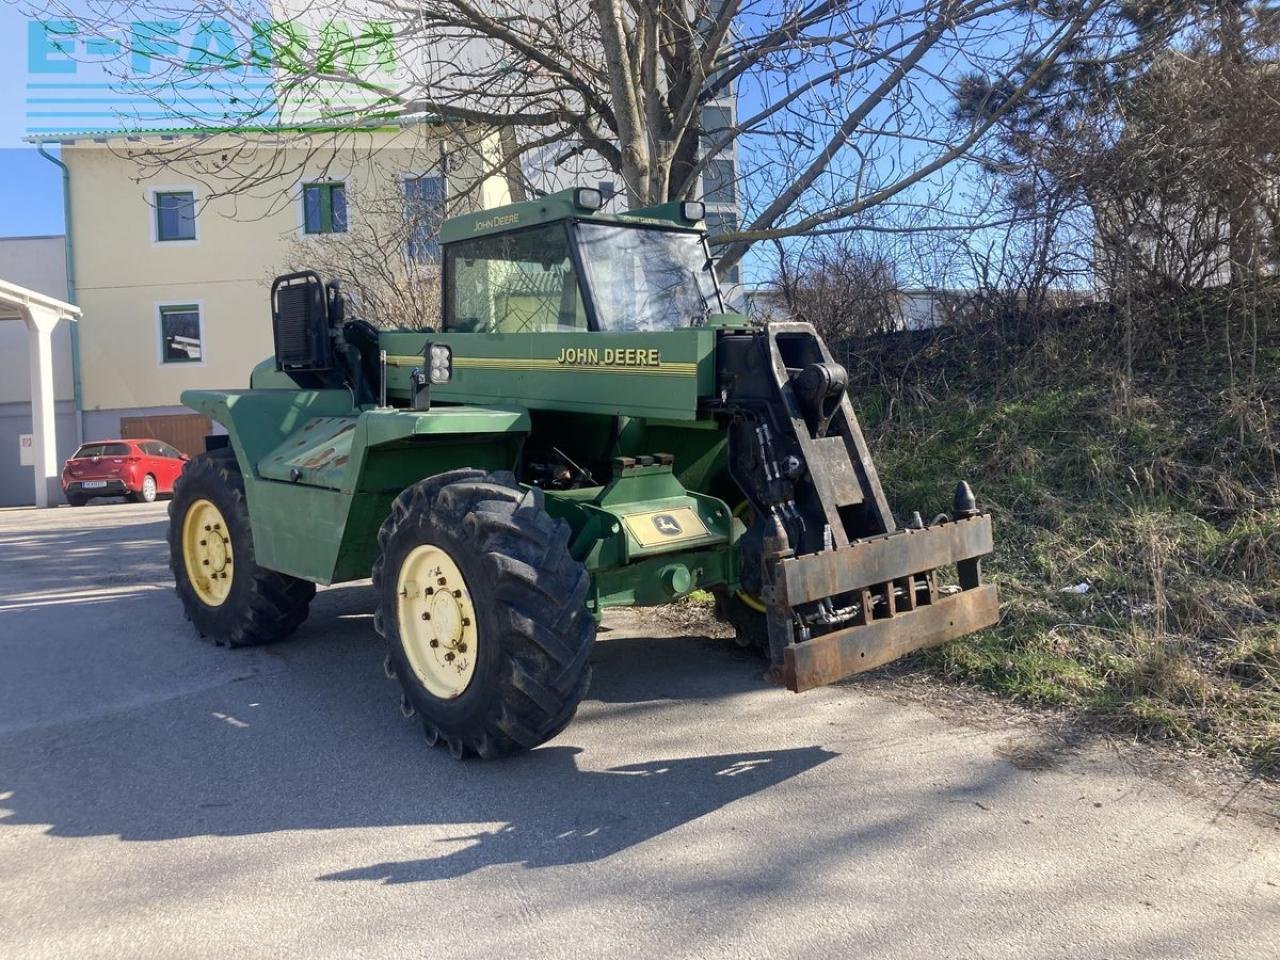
(435, 173)
(302, 208)
(710, 182)
(153, 206)
(585, 281)
(446, 277)
(174, 305)
(569, 225)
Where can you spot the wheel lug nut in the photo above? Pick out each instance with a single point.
(434, 643)
(457, 593)
(448, 657)
(426, 616)
(466, 621)
(430, 591)
(442, 581)
(205, 562)
(462, 648)
(204, 543)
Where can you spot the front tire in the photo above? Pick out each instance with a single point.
(484, 613)
(229, 598)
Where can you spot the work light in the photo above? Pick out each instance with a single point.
(693, 210)
(441, 369)
(588, 198)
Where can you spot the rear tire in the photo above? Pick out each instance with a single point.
(739, 608)
(250, 604)
(517, 624)
(751, 630)
(148, 492)
(76, 501)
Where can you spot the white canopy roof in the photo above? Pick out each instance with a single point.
(16, 303)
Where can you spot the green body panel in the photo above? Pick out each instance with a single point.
(608, 524)
(659, 374)
(321, 523)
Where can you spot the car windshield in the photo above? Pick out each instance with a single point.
(647, 279)
(102, 450)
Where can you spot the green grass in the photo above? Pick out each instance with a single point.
(1155, 486)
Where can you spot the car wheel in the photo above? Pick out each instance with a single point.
(148, 492)
(76, 501)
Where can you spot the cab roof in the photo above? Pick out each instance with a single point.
(553, 207)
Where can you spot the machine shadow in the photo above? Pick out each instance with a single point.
(579, 816)
(88, 557)
(310, 738)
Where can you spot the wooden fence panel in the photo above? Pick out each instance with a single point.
(186, 431)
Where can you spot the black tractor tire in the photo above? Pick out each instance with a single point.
(263, 606)
(751, 631)
(533, 630)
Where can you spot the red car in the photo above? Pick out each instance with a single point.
(138, 469)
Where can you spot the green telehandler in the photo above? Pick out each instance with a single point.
(586, 426)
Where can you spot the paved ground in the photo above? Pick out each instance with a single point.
(161, 798)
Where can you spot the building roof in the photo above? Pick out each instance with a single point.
(384, 125)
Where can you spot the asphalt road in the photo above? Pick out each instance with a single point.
(163, 798)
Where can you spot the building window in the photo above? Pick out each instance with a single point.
(717, 224)
(719, 184)
(324, 208)
(175, 215)
(180, 336)
(716, 122)
(423, 211)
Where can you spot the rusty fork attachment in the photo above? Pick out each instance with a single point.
(843, 587)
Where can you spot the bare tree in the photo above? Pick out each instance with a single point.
(387, 259)
(841, 121)
(841, 287)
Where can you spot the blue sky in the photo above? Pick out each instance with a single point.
(32, 195)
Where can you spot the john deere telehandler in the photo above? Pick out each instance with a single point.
(585, 426)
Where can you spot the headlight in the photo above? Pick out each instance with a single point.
(588, 198)
(693, 211)
(441, 366)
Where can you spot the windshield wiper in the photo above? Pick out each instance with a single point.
(706, 304)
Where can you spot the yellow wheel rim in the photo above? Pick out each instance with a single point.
(437, 621)
(206, 551)
(745, 514)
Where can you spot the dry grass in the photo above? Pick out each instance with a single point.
(1154, 486)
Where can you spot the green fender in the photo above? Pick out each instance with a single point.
(320, 474)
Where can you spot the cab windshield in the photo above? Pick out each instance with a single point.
(647, 279)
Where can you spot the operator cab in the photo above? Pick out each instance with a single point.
(573, 269)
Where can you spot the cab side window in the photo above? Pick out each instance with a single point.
(521, 282)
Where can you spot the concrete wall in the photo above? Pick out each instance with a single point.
(16, 482)
(39, 264)
(123, 274)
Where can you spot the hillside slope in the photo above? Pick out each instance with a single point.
(1132, 477)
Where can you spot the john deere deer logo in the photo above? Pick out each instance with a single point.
(667, 525)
